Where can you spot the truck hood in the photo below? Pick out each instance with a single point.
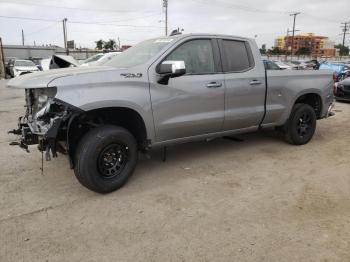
(43, 78)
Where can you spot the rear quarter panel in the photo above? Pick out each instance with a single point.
(286, 86)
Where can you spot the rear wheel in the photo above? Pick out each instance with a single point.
(301, 125)
(105, 158)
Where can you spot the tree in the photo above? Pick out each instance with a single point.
(99, 44)
(343, 50)
(303, 51)
(275, 51)
(263, 49)
(110, 44)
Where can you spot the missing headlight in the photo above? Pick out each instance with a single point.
(38, 98)
(44, 109)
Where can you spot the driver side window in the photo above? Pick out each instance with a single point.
(197, 55)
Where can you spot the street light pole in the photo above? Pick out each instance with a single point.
(165, 5)
(64, 21)
(22, 37)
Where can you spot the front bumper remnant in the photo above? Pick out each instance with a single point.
(26, 136)
(46, 142)
(45, 130)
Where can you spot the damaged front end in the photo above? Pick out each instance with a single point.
(45, 122)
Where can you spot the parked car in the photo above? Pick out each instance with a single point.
(22, 67)
(92, 59)
(162, 92)
(62, 61)
(341, 70)
(270, 65)
(312, 64)
(99, 59)
(45, 64)
(342, 92)
(282, 65)
(298, 65)
(9, 67)
(37, 62)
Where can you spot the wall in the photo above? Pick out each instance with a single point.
(25, 52)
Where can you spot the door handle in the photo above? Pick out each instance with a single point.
(213, 85)
(255, 82)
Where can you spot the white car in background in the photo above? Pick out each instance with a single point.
(22, 67)
(282, 65)
(99, 59)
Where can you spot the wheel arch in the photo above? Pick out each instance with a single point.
(312, 98)
(126, 117)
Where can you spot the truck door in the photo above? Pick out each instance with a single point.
(244, 84)
(192, 104)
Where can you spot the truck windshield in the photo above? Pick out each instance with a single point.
(93, 58)
(139, 53)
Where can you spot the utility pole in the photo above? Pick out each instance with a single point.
(295, 15)
(64, 21)
(165, 5)
(345, 30)
(119, 44)
(22, 37)
(285, 46)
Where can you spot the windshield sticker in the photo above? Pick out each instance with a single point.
(164, 40)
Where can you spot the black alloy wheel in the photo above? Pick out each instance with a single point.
(301, 125)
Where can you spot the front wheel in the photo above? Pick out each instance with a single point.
(301, 125)
(105, 158)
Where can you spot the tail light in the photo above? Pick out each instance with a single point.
(334, 77)
(334, 84)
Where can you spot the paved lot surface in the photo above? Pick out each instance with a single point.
(257, 200)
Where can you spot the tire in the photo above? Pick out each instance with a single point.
(105, 158)
(301, 125)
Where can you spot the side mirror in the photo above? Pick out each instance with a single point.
(170, 69)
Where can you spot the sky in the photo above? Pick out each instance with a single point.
(136, 20)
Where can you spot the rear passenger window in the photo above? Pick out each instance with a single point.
(236, 56)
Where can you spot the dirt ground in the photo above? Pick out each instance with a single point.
(256, 200)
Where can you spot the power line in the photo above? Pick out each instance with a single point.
(78, 22)
(131, 19)
(29, 18)
(42, 29)
(240, 7)
(322, 18)
(111, 24)
(258, 10)
(66, 7)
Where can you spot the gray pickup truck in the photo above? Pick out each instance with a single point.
(160, 92)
